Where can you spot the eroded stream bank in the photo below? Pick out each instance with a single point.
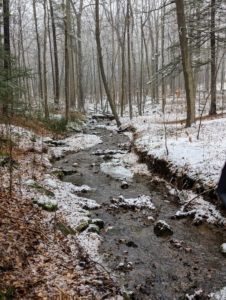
(150, 266)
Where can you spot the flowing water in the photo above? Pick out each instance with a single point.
(150, 266)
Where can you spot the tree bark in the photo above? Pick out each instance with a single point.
(44, 66)
(6, 62)
(56, 64)
(100, 58)
(39, 52)
(186, 62)
(213, 109)
(129, 60)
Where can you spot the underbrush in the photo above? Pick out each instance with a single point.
(35, 121)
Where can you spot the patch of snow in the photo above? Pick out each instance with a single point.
(50, 182)
(139, 202)
(75, 143)
(115, 170)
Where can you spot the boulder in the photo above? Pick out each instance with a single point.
(161, 228)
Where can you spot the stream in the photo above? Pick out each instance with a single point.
(147, 266)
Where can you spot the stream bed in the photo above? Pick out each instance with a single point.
(147, 266)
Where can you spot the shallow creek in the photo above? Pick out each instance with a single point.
(150, 266)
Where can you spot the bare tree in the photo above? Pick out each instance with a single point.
(186, 62)
(100, 58)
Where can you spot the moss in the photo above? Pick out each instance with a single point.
(6, 161)
(126, 296)
(84, 224)
(59, 174)
(65, 229)
(81, 227)
(39, 188)
(93, 228)
(46, 203)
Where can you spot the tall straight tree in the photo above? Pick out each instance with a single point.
(44, 63)
(79, 56)
(129, 60)
(56, 69)
(213, 110)
(39, 51)
(100, 58)
(66, 64)
(186, 62)
(6, 61)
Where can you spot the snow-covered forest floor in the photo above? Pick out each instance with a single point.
(40, 262)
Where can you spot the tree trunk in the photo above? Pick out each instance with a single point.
(186, 62)
(6, 63)
(163, 62)
(71, 87)
(56, 64)
(44, 66)
(100, 57)
(79, 36)
(129, 60)
(213, 109)
(51, 60)
(39, 52)
(66, 64)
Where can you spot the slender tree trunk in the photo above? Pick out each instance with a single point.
(66, 65)
(141, 65)
(44, 65)
(6, 63)
(163, 62)
(129, 60)
(56, 64)
(51, 60)
(213, 109)
(39, 51)
(153, 95)
(71, 88)
(100, 57)
(186, 61)
(156, 58)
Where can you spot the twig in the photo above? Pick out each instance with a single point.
(188, 202)
(38, 231)
(62, 290)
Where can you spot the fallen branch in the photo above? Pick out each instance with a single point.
(188, 202)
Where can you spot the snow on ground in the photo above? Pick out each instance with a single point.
(35, 164)
(124, 166)
(198, 151)
(200, 158)
(140, 202)
(75, 143)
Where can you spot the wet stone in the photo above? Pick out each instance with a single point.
(98, 222)
(161, 228)
(131, 244)
(84, 224)
(93, 228)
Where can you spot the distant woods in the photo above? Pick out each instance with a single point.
(116, 55)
